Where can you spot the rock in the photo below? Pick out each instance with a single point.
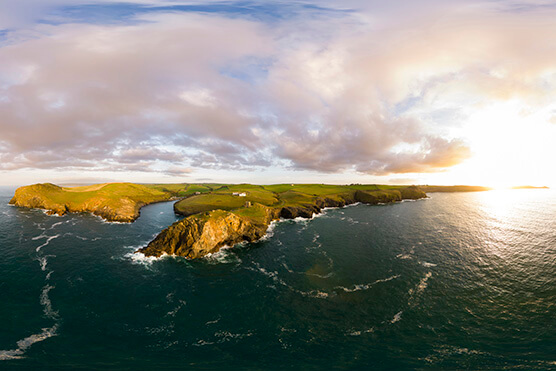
(197, 236)
(121, 202)
(378, 197)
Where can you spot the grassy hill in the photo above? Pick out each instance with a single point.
(115, 201)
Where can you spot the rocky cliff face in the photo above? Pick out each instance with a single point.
(199, 235)
(57, 200)
(202, 234)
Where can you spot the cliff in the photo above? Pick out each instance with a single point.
(215, 214)
(118, 202)
(201, 234)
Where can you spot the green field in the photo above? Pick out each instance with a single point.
(122, 201)
(279, 196)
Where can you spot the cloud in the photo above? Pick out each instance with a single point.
(173, 92)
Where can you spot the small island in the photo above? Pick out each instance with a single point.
(215, 215)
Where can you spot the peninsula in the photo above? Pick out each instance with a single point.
(215, 215)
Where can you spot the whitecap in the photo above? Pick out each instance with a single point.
(287, 268)
(140, 258)
(201, 343)
(366, 286)
(43, 261)
(56, 224)
(361, 332)
(397, 317)
(427, 264)
(42, 235)
(175, 311)
(224, 255)
(50, 238)
(47, 332)
(270, 230)
(47, 304)
(421, 286)
(104, 221)
(320, 275)
(227, 336)
(24, 344)
(423, 283)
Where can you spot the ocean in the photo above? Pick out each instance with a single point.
(456, 281)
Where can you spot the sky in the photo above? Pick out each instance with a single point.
(394, 92)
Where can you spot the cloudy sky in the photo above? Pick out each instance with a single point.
(401, 91)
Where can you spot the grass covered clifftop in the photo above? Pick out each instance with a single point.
(242, 213)
(119, 202)
(215, 214)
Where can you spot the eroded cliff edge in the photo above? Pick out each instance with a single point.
(115, 202)
(200, 234)
(215, 214)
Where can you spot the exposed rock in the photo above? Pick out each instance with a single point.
(202, 234)
(109, 205)
(378, 197)
(199, 235)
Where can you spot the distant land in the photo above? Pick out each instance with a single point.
(529, 187)
(216, 215)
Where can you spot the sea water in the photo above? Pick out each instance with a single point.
(456, 281)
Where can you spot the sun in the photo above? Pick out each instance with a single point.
(510, 147)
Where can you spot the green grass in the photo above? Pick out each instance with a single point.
(223, 198)
(277, 195)
(257, 213)
(199, 197)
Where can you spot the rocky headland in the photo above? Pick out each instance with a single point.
(215, 215)
(205, 233)
(115, 202)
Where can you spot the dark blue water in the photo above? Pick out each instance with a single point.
(458, 281)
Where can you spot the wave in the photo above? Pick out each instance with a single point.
(421, 286)
(225, 255)
(366, 286)
(50, 238)
(270, 230)
(397, 317)
(319, 275)
(42, 235)
(175, 311)
(47, 332)
(140, 258)
(24, 344)
(104, 221)
(361, 332)
(56, 224)
(227, 336)
(47, 304)
(213, 321)
(274, 276)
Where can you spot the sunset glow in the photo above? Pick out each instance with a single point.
(448, 93)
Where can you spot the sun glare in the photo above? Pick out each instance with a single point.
(510, 147)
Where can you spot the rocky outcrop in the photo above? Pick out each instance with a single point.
(202, 234)
(199, 235)
(110, 204)
(412, 193)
